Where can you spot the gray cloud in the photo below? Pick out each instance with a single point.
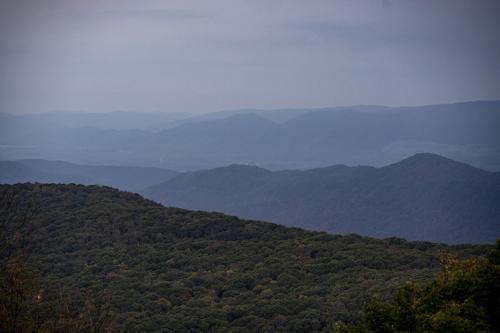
(139, 14)
(203, 56)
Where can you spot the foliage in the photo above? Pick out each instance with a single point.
(465, 297)
(24, 307)
(159, 269)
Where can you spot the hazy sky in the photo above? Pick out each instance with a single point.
(200, 56)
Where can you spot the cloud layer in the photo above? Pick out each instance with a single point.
(201, 56)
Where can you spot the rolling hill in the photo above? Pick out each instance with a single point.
(42, 171)
(160, 269)
(424, 197)
(275, 139)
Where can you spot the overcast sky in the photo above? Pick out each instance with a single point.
(201, 56)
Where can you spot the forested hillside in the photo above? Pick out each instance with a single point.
(464, 297)
(424, 197)
(160, 269)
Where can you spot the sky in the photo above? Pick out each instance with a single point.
(204, 56)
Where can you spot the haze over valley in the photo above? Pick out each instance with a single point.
(249, 166)
(274, 139)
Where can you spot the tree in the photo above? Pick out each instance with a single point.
(23, 306)
(465, 297)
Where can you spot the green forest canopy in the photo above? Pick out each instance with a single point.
(159, 269)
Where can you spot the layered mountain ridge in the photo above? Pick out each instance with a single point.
(275, 139)
(43, 171)
(424, 197)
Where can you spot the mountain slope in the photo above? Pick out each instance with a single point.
(175, 270)
(424, 197)
(298, 139)
(127, 178)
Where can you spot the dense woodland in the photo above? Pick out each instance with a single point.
(465, 297)
(89, 258)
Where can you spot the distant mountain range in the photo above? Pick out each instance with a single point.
(424, 197)
(115, 120)
(274, 139)
(42, 171)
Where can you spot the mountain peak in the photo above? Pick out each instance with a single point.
(431, 160)
(244, 169)
(428, 157)
(433, 165)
